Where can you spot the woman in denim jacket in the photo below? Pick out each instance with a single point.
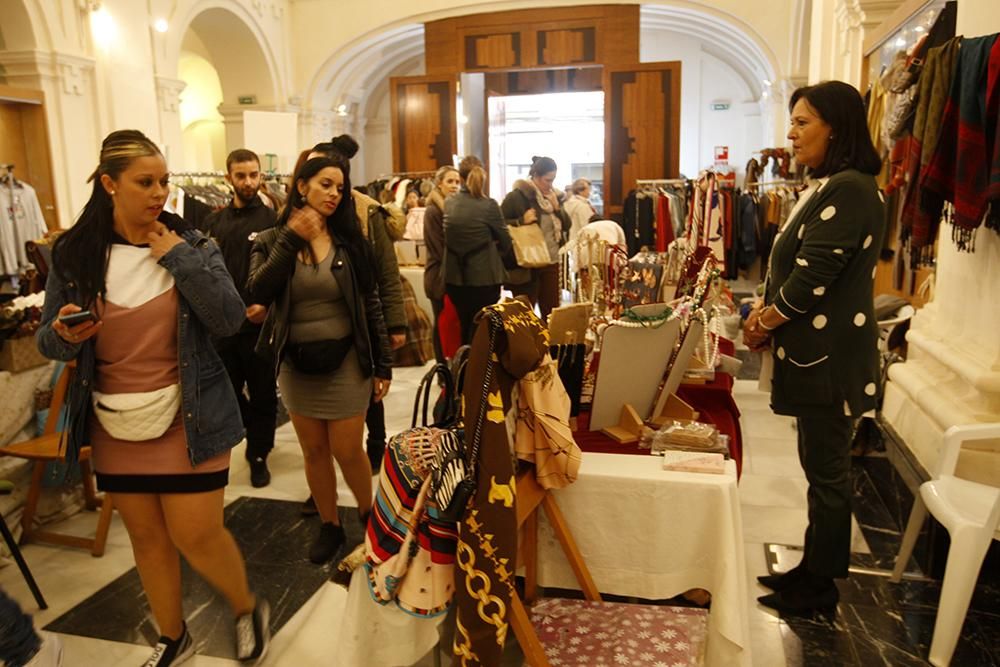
(150, 394)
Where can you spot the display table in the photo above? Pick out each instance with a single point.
(648, 533)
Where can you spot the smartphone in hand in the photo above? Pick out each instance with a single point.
(73, 319)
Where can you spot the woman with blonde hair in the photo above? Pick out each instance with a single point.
(446, 183)
(475, 239)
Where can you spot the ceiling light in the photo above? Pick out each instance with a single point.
(342, 110)
(102, 25)
(767, 83)
(160, 25)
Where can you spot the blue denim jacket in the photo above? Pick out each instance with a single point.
(209, 306)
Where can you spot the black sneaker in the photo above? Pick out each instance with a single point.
(171, 651)
(253, 633)
(327, 543)
(309, 507)
(260, 476)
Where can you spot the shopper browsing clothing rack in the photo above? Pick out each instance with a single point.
(535, 202)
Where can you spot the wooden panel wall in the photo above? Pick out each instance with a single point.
(642, 127)
(424, 125)
(539, 81)
(24, 141)
(553, 37)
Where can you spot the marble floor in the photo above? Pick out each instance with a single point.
(877, 623)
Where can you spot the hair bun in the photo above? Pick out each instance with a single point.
(535, 158)
(345, 145)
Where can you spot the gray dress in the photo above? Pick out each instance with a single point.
(319, 312)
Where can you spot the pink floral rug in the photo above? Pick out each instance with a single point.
(578, 633)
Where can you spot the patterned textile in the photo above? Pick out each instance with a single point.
(609, 634)
(543, 435)
(959, 167)
(409, 554)
(484, 578)
(419, 346)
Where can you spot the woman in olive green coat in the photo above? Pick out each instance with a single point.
(818, 323)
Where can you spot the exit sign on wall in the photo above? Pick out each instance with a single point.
(247, 99)
(720, 106)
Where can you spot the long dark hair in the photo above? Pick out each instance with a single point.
(81, 252)
(342, 224)
(840, 105)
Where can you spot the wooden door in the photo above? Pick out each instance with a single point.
(24, 142)
(424, 122)
(642, 117)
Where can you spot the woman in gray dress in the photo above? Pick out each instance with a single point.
(818, 321)
(325, 334)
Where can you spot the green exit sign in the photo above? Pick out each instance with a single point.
(720, 106)
(248, 99)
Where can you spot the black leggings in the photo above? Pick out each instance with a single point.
(468, 301)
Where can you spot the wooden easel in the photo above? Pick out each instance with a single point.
(530, 497)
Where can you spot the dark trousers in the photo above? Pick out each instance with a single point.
(542, 290)
(825, 454)
(18, 640)
(259, 404)
(468, 301)
(437, 305)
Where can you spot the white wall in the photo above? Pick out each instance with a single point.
(705, 79)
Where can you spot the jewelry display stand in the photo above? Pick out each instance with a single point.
(678, 366)
(633, 361)
(628, 429)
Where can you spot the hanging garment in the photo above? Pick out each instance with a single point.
(959, 167)
(21, 221)
(637, 215)
(542, 435)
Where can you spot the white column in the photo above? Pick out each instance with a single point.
(850, 41)
(232, 119)
(168, 94)
(822, 40)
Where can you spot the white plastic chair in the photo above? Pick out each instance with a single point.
(971, 513)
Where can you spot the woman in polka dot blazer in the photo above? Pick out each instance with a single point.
(818, 323)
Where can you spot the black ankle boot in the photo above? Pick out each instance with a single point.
(327, 543)
(779, 582)
(808, 593)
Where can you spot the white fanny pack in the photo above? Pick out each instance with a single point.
(137, 416)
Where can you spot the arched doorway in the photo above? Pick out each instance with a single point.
(719, 48)
(227, 67)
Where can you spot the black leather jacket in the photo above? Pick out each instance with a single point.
(272, 263)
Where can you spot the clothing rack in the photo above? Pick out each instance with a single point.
(760, 184)
(407, 174)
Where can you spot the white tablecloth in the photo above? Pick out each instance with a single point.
(648, 533)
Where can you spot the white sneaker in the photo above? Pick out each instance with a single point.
(253, 633)
(51, 652)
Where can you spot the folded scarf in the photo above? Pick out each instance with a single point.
(959, 166)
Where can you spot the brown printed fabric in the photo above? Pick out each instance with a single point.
(487, 546)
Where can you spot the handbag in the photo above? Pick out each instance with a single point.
(530, 248)
(454, 475)
(137, 416)
(320, 357)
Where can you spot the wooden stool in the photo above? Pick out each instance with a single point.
(51, 446)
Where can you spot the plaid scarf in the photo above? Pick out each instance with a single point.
(993, 135)
(959, 166)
